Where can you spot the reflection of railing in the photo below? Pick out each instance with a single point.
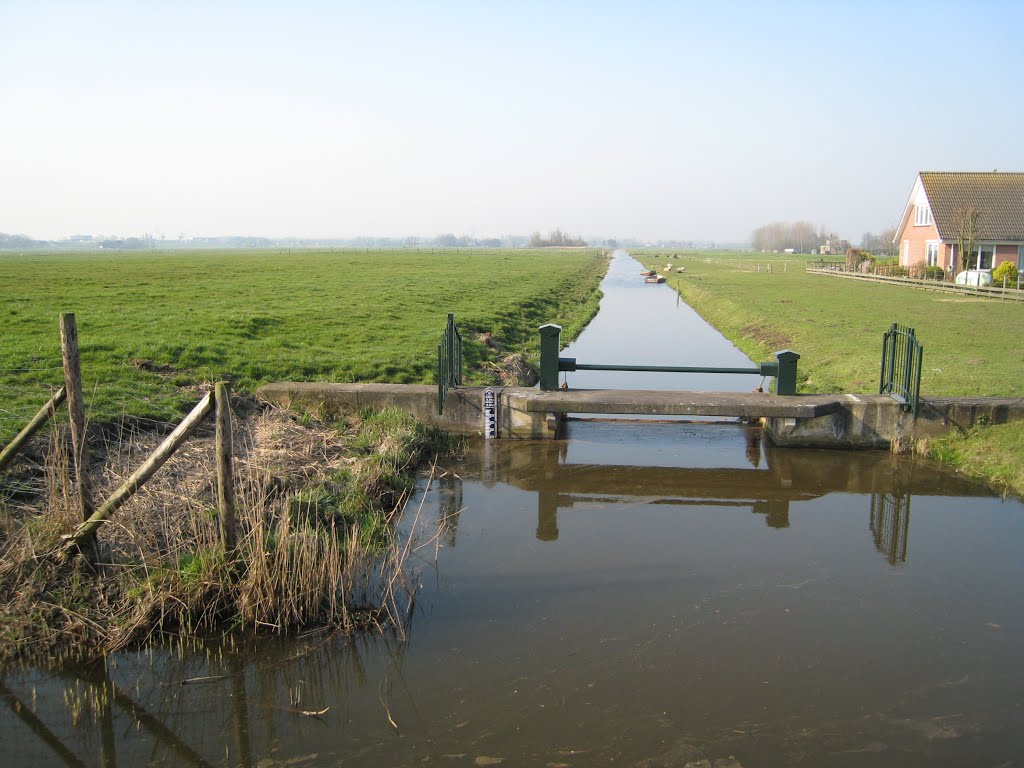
(901, 366)
(783, 369)
(104, 694)
(890, 525)
(449, 362)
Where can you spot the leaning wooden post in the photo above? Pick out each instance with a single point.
(171, 443)
(225, 477)
(76, 408)
(32, 427)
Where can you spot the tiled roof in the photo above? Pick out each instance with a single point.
(999, 198)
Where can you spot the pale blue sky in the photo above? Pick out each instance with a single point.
(689, 120)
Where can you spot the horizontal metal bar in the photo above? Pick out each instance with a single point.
(664, 369)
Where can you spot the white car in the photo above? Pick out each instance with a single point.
(974, 277)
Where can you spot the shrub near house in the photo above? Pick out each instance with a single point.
(1005, 273)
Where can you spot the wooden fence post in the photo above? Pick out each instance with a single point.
(84, 532)
(76, 408)
(225, 476)
(30, 429)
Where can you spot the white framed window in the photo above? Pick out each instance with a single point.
(922, 215)
(906, 253)
(931, 254)
(986, 253)
(1020, 258)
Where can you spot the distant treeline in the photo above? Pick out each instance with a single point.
(799, 236)
(804, 237)
(556, 238)
(446, 240)
(21, 241)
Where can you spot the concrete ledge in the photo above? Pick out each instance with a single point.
(876, 421)
(822, 421)
(740, 404)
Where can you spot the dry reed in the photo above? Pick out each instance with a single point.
(315, 502)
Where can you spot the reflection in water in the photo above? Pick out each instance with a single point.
(890, 525)
(775, 511)
(592, 611)
(787, 476)
(38, 728)
(449, 506)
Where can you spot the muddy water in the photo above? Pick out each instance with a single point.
(641, 594)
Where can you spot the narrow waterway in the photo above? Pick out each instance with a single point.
(639, 594)
(644, 324)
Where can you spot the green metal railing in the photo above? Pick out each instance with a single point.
(901, 366)
(783, 368)
(449, 362)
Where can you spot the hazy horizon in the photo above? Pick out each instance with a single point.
(653, 121)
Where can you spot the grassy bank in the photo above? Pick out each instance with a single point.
(316, 500)
(315, 505)
(153, 325)
(971, 346)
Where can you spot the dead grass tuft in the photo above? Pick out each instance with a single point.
(315, 504)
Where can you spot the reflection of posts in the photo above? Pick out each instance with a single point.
(163, 734)
(547, 515)
(240, 710)
(38, 727)
(449, 506)
(775, 511)
(108, 746)
(890, 525)
(753, 440)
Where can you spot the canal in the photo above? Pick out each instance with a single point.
(660, 593)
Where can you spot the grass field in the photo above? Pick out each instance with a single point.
(153, 324)
(972, 347)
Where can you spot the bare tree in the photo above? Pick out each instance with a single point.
(888, 241)
(967, 220)
(800, 236)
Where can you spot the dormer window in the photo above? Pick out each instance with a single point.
(922, 215)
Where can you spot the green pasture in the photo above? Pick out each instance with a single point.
(971, 346)
(153, 325)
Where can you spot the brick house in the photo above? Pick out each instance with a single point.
(929, 232)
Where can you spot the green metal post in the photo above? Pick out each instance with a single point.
(450, 332)
(890, 370)
(908, 366)
(441, 383)
(917, 379)
(549, 343)
(885, 362)
(785, 382)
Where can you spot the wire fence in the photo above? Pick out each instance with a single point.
(927, 278)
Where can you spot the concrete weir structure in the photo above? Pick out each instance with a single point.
(823, 421)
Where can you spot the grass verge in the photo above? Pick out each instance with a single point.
(765, 302)
(994, 452)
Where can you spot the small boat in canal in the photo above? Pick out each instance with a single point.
(647, 272)
(655, 279)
